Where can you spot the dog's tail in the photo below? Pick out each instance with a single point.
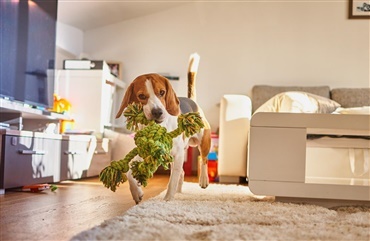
(192, 74)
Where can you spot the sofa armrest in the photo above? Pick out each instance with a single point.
(235, 115)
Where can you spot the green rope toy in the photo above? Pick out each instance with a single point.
(153, 145)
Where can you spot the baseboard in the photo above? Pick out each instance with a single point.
(328, 203)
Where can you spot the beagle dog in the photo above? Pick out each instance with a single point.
(161, 104)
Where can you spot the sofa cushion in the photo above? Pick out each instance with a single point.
(298, 102)
(262, 93)
(351, 97)
(364, 110)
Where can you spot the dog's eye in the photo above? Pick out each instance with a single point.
(142, 97)
(162, 92)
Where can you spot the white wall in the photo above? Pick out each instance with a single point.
(241, 44)
(70, 38)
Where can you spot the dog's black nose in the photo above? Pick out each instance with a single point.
(157, 113)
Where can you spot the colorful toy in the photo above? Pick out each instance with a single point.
(153, 145)
(39, 187)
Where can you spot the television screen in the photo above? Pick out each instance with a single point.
(28, 40)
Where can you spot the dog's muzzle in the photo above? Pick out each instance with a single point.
(157, 114)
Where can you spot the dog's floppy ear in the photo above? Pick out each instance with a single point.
(127, 99)
(172, 102)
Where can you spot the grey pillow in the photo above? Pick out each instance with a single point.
(325, 105)
(351, 97)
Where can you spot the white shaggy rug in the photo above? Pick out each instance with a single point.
(231, 212)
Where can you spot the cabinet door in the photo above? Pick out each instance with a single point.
(30, 160)
(76, 158)
(101, 158)
(106, 103)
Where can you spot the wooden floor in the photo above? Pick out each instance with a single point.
(74, 207)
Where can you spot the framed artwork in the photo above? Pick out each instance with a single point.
(115, 68)
(359, 9)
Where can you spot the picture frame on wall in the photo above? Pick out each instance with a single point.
(359, 9)
(115, 68)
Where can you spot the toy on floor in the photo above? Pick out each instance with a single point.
(153, 145)
(39, 187)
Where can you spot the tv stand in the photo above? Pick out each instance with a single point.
(11, 122)
(31, 155)
(24, 117)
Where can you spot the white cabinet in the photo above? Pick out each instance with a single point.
(95, 96)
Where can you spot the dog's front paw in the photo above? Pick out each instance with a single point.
(168, 197)
(138, 199)
(203, 182)
(203, 179)
(137, 195)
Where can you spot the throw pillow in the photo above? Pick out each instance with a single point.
(298, 102)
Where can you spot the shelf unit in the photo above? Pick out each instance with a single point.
(95, 96)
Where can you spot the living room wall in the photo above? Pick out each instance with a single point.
(69, 43)
(241, 44)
